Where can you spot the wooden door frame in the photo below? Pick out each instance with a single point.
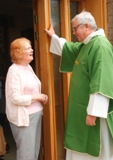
(45, 72)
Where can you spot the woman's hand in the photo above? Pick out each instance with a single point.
(40, 97)
(51, 31)
(91, 120)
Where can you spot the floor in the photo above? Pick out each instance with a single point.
(11, 155)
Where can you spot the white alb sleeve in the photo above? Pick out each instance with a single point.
(57, 45)
(98, 105)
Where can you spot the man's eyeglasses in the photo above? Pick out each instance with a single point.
(75, 28)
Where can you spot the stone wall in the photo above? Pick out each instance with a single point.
(110, 20)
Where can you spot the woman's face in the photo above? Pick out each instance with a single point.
(27, 55)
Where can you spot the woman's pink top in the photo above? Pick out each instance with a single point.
(32, 86)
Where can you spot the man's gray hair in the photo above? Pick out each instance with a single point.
(85, 17)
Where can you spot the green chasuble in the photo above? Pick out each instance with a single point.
(92, 72)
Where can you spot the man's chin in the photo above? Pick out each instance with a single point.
(79, 40)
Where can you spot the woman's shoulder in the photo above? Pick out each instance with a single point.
(13, 70)
(13, 67)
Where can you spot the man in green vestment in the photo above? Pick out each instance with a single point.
(88, 131)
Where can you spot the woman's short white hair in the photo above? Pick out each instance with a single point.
(85, 17)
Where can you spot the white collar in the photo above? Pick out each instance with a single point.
(98, 32)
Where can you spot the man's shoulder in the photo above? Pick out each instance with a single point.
(99, 40)
(73, 45)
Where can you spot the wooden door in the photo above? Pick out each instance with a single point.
(44, 70)
(53, 117)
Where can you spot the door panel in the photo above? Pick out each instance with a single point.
(58, 87)
(44, 69)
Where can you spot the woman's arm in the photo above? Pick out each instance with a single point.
(14, 89)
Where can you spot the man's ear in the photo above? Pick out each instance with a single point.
(87, 25)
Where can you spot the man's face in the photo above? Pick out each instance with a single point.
(79, 30)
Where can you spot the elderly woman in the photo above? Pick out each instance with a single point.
(24, 100)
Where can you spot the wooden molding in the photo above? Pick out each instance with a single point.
(65, 32)
(44, 68)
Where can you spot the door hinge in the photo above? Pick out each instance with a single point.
(35, 19)
(36, 36)
(42, 151)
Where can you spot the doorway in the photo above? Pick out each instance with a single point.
(16, 20)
